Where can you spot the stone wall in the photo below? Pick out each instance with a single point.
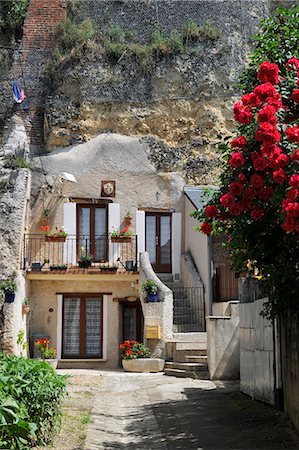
(256, 353)
(183, 102)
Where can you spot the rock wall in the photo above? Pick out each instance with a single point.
(182, 103)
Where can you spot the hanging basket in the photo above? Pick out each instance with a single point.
(55, 239)
(121, 239)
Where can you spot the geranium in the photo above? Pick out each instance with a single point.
(131, 349)
(46, 352)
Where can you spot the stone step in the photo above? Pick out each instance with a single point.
(200, 336)
(191, 346)
(181, 355)
(196, 359)
(195, 367)
(165, 277)
(187, 374)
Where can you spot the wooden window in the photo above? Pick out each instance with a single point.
(226, 284)
(158, 240)
(82, 326)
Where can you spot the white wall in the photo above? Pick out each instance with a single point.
(198, 244)
(256, 353)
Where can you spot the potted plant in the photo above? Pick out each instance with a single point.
(128, 219)
(47, 353)
(8, 288)
(38, 266)
(85, 258)
(56, 235)
(151, 290)
(136, 358)
(121, 236)
(25, 306)
(58, 267)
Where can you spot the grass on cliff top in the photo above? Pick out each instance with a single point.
(119, 44)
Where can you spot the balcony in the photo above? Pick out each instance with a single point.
(58, 257)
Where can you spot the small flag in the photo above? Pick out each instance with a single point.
(18, 95)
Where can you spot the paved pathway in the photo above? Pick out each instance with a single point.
(153, 411)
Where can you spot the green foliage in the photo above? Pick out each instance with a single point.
(12, 15)
(133, 350)
(9, 285)
(73, 34)
(21, 340)
(277, 41)
(149, 286)
(16, 162)
(30, 402)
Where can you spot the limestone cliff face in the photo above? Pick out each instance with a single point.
(182, 104)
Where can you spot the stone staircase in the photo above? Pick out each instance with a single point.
(189, 356)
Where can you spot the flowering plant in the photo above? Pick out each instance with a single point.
(125, 232)
(257, 206)
(133, 350)
(46, 351)
(57, 232)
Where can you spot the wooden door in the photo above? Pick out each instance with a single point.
(226, 284)
(158, 241)
(132, 321)
(82, 326)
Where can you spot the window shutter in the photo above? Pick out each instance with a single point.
(70, 225)
(140, 230)
(176, 245)
(113, 223)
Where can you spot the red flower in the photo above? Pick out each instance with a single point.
(235, 209)
(293, 194)
(264, 91)
(251, 100)
(292, 209)
(241, 114)
(293, 134)
(259, 162)
(294, 181)
(267, 133)
(211, 211)
(268, 72)
(275, 102)
(249, 194)
(239, 142)
(279, 176)
(236, 188)
(206, 228)
(266, 194)
(47, 228)
(266, 114)
(241, 178)
(295, 96)
(257, 213)
(289, 226)
(226, 200)
(293, 64)
(295, 156)
(237, 160)
(257, 182)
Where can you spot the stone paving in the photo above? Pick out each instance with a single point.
(153, 411)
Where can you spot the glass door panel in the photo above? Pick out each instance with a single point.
(151, 238)
(93, 325)
(165, 240)
(130, 324)
(71, 327)
(84, 230)
(100, 227)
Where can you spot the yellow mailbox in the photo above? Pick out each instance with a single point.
(152, 332)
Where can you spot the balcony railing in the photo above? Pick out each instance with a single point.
(53, 255)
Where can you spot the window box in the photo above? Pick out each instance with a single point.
(55, 239)
(121, 239)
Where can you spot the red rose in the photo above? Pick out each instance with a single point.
(267, 133)
(237, 160)
(295, 96)
(241, 178)
(293, 64)
(251, 100)
(211, 211)
(293, 194)
(259, 162)
(266, 114)
(295, 156)
(279, 176)
(293, 134)
(235, 209)
(226, 200)
(264, 91)
(245, 205)
(289, 226)
(257, 213)
(257, 182)
(266, 194)
(206, 228)
(275, 102)
(241, 114)
(294, 181)
(239, 142)
(249, 194)
(282, 160)
(268, 72)
(292, 209)
(236, 188)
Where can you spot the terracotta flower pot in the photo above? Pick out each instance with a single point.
(55, 239)
(127, 221)
(121, 240)
(25, 309)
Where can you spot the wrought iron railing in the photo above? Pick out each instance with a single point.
(41, 253)
(188, 309)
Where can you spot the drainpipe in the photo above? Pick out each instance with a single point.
(278, 387)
